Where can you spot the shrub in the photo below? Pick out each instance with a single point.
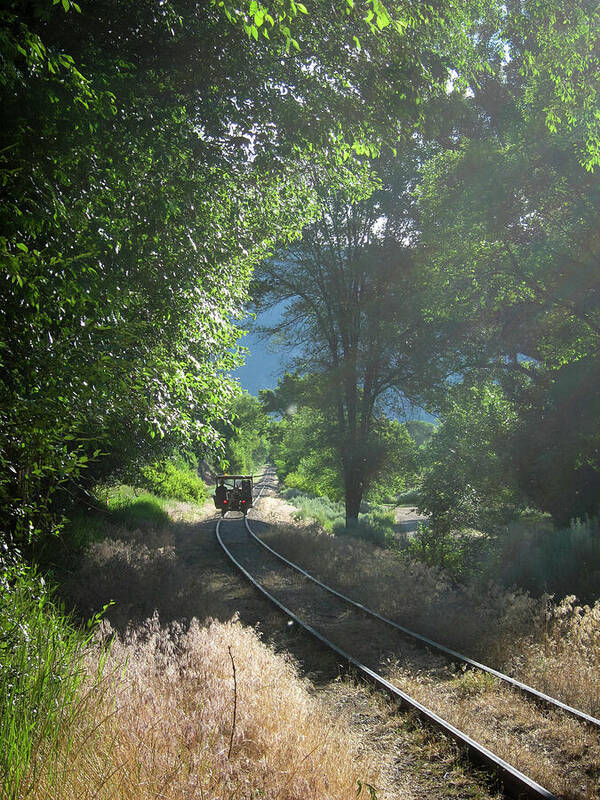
(528, 553)
(132, 508)
(561, 561)
(174, 479)
(377, 527)
(409, 497)
(326, 512)
(459, 554)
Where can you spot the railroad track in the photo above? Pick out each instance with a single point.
(516, 784)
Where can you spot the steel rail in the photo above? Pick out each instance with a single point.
(529, 690)
(515, 782)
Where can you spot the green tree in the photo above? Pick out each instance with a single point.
(349, 305)
(469, 479)
(304, 456)
(246, 440)
(151, 154)
(420, 430)
(510, 248)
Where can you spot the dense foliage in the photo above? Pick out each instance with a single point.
(175, 478)
(507, 212)
(151, 154)
(246, 439)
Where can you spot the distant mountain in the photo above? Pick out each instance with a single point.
(264, 364)
(262, 367)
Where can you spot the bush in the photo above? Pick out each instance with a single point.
(409, 498)
(174, 479)
(133, 509)
(377, 527)
(529, 553)
(561, 561)
(321, 509)
(459, 554)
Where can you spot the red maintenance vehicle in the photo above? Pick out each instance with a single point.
(233, 493)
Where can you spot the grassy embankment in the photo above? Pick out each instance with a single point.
(151, 713)
(553, 645)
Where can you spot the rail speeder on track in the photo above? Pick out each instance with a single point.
(233, 493)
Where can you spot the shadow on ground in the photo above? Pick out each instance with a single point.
(179, 571)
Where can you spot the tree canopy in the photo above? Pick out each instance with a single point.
(154, 154)
(508, 219)
(151, 155)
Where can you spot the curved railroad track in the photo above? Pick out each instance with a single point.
(238, 538)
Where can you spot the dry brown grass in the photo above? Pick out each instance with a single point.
(556, 648)
(419, 596)
(552, 748)
(171, 719)
(180, 570)
(162, 727)
(564, 660)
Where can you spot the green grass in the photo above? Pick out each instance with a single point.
(122, 506)
(40, 671)
(133, 508)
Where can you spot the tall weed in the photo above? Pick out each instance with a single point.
(40, 674)
(555, 647)
(560, 561)
(165, 726)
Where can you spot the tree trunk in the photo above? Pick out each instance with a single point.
(353, 490)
